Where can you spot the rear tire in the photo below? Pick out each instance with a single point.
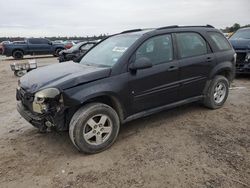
(17, 54)
(57, 51)
(94, 128)
(217, 92)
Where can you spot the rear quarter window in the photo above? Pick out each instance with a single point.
(220, 41)
(191, 44)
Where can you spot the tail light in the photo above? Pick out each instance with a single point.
(2, 48)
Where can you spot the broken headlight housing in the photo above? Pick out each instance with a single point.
(43, 99)
(247, 57)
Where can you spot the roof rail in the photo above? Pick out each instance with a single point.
(168, 27)
(210, 26)
(130, 31)
(176, 26)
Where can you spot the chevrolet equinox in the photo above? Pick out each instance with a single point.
(127, 76)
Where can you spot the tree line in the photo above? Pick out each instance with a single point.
(87, 38)
(233, 28)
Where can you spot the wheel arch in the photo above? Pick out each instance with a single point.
(109, 100)
(225, 69)
(59, 48)
(106, 98)
(17, 49)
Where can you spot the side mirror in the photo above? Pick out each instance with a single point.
(50, 43)
(141, 63)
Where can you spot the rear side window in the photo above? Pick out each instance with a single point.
(220, 41)
(158, 49)
(44, 41)
(191, 44)
(38, 41)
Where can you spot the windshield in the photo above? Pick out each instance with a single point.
(241, 34)
(108, 52)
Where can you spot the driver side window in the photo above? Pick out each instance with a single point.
(157, 49)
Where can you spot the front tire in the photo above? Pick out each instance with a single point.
(94, 128)
(217, 92)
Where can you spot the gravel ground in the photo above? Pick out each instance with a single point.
(189, 146)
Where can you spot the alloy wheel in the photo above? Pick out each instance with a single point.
(219, 92)
(97, 130)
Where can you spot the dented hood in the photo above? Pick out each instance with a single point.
(61, 76)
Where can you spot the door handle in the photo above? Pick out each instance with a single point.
(172, 68)
(209, 59)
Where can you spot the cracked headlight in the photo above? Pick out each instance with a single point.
(40, 104)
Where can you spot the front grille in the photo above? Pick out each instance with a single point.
(26, 98)
(240, 61)
(241, 57)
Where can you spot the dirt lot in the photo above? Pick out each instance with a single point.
(190, 146)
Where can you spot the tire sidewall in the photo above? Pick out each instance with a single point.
(215, 82)
(76, 128)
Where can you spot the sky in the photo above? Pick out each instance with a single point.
(40, 18)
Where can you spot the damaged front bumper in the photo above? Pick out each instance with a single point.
(35, 119)
(52, 117)
(243, 62)
(43, 121)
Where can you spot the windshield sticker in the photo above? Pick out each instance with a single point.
(119, 49)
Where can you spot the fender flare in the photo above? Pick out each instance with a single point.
(219, 68)
(225, 66)
(119, 106)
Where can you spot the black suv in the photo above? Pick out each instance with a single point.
(127, 76)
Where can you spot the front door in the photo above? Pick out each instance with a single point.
(158, 85)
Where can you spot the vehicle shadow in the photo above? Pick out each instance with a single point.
(242, 76)
(60, 143)
(165, 116)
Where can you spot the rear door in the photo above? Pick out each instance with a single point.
(195, 61)
(40, 46)
(158, 85)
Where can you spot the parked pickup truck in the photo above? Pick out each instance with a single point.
(32, 46)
